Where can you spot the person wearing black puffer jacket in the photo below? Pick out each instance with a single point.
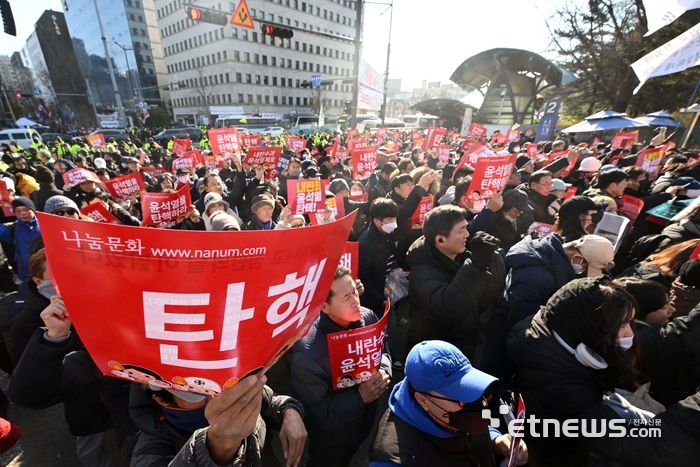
(446, 282)
(537, 191)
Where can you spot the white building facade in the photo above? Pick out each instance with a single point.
(233, 67)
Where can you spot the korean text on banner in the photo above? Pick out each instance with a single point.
(351, 259)
(250, 141)
(165, 210)
(444, 153)
(624, 140)
(180, 146)
(295, 143)
(476, 152)
(306, 196)
(478, 130)
(224, 140)
(650, 159)
(434, 138)
(542, 229)
(491, 175)
(77, 176)
(96, 141)
(336, 206)
(418, 218)
(194, 311)
(381, 132)
(154, 172)
(6, 200)
(98, 213)
(189, 160)
(364, 161)
(126, 186)
(630, 207)
(265, 157)
(356, 354)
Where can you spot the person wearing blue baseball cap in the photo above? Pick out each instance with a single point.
(435, 414)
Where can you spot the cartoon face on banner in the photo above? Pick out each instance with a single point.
(195, 311)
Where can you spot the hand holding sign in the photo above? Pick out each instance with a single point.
(232, 417)
(375, 387)
(428, 178)
(55, 317)
(496, 202)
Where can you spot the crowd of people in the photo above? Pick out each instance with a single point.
(582, 329)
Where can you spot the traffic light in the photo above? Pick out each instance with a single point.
(305, 84)
(348, 81)
(205, 15)
(348, 107)
(8, 20)
(21, 95)
(276, 31)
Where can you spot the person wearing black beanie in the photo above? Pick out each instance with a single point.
(47, 188)
(685, 290)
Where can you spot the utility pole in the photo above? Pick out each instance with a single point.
(388, 54)
(92, 101)
(120, 107)
(358, 53)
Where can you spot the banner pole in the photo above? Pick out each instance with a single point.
(686, 133)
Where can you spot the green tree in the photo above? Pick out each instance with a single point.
(158, 118)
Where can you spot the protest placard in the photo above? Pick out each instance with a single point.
(165, 210)
(434, 138)
(154, 172)
(98, 213)
(224, 140)
(444, 153)
(356, 354)
(188, 160)
(418, 218)
(364, 161)
(180, 146)
(476, 152)
(541, 228)
(650, 159)
(192, 311)
(250, 141)
(125, 186)
(478, 130)
(267, 157)
(491, 175)
(306, 196)
(351, 258)
(336, 206)
(630, 207)
(77, 176)
(6, 200)
(96, 141)
(295, 143)
(624, 140)
(570, 191)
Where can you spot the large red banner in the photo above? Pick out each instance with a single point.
(96, 141)
(351, 258)
(165, 210)
(224, 140)
(98, 213)
(356, 354)
(491, 174)
(364, 161)
(418, 218)
(478, 130)
(126, 186)
(180, 146)
(77, 176)
(188, 160)
(192, 311)
(266, 157)
(306, 196)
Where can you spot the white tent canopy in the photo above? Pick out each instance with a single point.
(24, 122)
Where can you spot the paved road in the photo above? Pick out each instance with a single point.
(46, 442)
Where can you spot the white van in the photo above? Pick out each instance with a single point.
(21, 136)
(420, 121)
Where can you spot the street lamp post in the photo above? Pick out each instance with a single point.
(500, 109)
(117, 96)
(388, 54)
(128, 68)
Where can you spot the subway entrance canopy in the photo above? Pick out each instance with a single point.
(509, 80)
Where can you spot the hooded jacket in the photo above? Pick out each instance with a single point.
(444, 297)
(538, 268)
(683, 297)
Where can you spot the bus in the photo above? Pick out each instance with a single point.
(344, 120)
(420, 121)
(308, 123)
(254, 125)
(372, 125)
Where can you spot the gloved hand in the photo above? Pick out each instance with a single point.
(372, 181)
(483, 246)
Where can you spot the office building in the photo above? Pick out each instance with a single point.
(8, 79)
(223, 70)
(134, 47)
(25, 81)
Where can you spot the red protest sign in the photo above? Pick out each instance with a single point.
(570, 191)
(96, 141)
(351, 258)
(265, 157)
(364, 197)
(336, 206)
(180, 146)
(154, 172)
(415, 136)
(491, 174)
(188, 160)
(381, 132)
(126, 185)
(596, 142)
(6, 200)
(342, 153)
(650, 159)
(532, 150)
(478, 130)
(625, 140)
(444, 153)
(364, 161)
(77, 176)
(501, 140)
(191, 311)
(224, 140)
(418, 217)
(98, 213)
(542, 229)
(250, 141)
(513, 135)
(332, 152)
(356, 354)
(213, 162)
(556, 155)
(295, 143)
(630, 207)
(475, 153)
(470, 144)
(352, 133)
(165, 210)
(434, 138)
(306, 196)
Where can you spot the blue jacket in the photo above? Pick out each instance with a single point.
(20, 234)
(538, 268)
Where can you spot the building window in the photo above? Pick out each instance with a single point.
(303, 46)
(218, 56)
(250, 98)
(240, 99)
(297, 64)
(257, 79)
(239, 78)
(256, 58)
(245, 35)
(274, 61)
(306, 101)
(227, 78)
(249, 78)
(246, 57)
(234, 33)
(258, 98)
(255, 37)
(304, 66)
(283, 82)
(298, 101)
(267, 99)
(266, 82)
(236, 55)
(275, 100)
(284, 100)
(264, 59)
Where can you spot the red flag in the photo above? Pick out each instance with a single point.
(165, 210)
(191, 311)
(356, 354)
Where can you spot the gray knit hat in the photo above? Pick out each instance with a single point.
(260, 201)
(220, 221)
(59, 202)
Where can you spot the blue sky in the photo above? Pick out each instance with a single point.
(430, 38)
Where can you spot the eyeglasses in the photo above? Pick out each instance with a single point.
(65, 212)
(544, 184)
